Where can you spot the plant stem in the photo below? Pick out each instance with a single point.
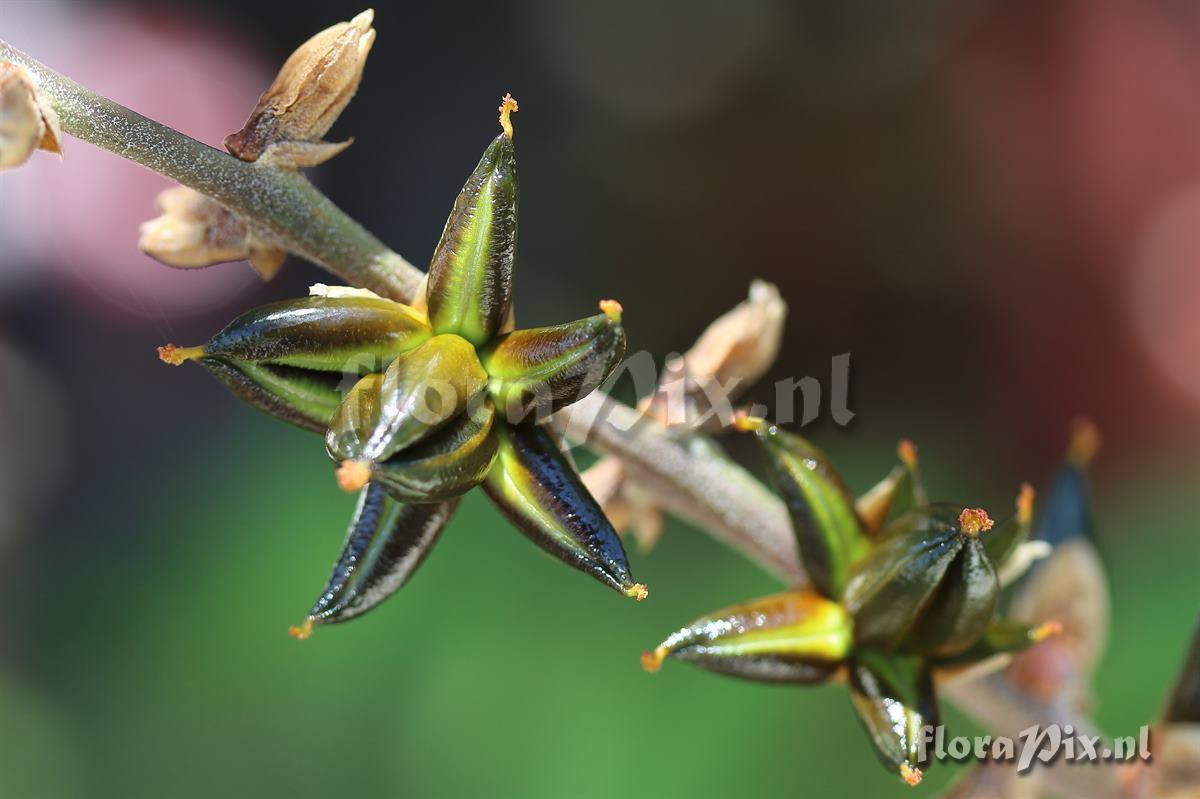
(712, 492)
(283, 205)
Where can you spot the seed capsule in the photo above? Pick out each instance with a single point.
(1002, 542)
(287, 359)
(895, 700)
(419, 392)
(914, 572)
(447, 464)
(303, 397)
(534, 486)
(546, 368)
(895, 495)
(793, 637)
(385, 544)
(347, 334)
(828, 530)
(470, 277)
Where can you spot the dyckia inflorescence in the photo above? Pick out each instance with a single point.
(903, 591)
(439, 401)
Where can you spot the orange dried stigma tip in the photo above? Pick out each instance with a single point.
(637, 591)
(743, 421)
(353, 475)
(1045, 630)
(1025, 503)
(301, 631)
(1085, 442)
(612, 309)
(910, 775)
(973, 521)
(507, 106)
(907, 452)
(176, 355)
(652, 661)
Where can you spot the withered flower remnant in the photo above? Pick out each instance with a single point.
(308, 95)
(27, 122)
(439, 402)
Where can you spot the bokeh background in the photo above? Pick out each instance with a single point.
(993, 205)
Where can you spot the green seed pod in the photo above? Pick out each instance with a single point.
(899, 493)
(332, 334)
(546, 368)
(534, 486)
(385, 544)
(447, 464)
(895, 701)
(1002, 542)
(828, 530)
(962, 608)
(420, 391)
(902, 578)
(793, 637)
(1002, 637)
(470, 277)
(303, 397)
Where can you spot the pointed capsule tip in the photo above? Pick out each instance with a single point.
(652, 661)
(353, 475)
(907, 452)
(910, 775)
(637, 591)
(177, 355)
(973, 521)
(1045, 630)
(508, 105)
(1085, 442)
(1025, 503)
(301, 631)
(612, 309)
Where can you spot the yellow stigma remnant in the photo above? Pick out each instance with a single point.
(652, 661)
(907, 451)
(1025, 503)
(743, 421)
(353, 475)
(1085, 442)
(973, 521)
(1044, 631)
(507, 106)
(637, 591)
(302, 631)
(612, 309)
(176, 355)
(910, 775)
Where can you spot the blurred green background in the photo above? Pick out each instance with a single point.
(992, 206)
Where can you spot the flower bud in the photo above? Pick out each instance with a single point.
(793, 637)
(385, 544)
(314, 86)
(27, 122)
(195, 231)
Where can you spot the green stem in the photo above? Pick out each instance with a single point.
(282, 204)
